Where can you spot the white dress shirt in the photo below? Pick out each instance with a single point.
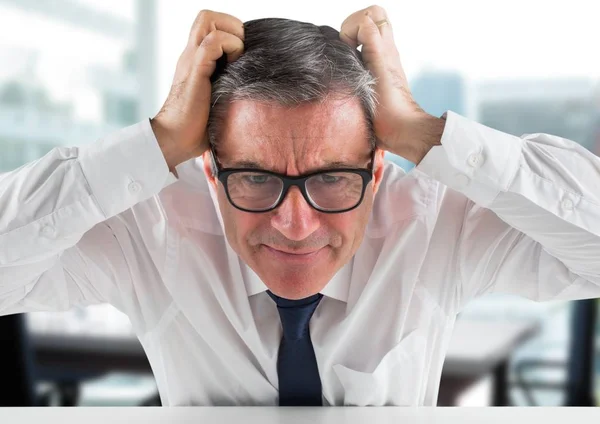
(484, 212)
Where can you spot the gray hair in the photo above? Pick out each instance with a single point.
(290, 63)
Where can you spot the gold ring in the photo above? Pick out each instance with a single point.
(381, 23)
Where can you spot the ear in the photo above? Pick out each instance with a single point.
(378, 169)
(209, 168)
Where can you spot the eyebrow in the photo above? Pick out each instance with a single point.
(328, 165)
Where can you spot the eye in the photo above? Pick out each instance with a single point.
(257, 179)
(330, 179)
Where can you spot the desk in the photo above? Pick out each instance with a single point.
(481, 348)
(297, 415)
(476, 350)
(67, 360)
(90, 354)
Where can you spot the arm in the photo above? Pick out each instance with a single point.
(56, 245)
(532, 223)
(531, 226)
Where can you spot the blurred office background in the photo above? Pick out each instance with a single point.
(75, 70)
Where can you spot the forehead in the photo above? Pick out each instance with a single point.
(294, 139)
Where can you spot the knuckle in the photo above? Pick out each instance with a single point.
(200, 25)
(203, 18)
(375, 8)
(204, 14)
(210, 39)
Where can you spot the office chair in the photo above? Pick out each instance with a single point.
(17, 386)
(580, 381)
(19, 371)
(580, 368)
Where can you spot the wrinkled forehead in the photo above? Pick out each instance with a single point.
(294, 139)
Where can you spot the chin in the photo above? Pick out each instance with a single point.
(297, 284)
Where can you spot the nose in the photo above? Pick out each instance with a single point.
(295, 218)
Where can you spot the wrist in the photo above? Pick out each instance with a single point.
(172, 154)
(424, 132)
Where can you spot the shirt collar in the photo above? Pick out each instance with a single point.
(337, 288)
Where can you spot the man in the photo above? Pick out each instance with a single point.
(262, 248)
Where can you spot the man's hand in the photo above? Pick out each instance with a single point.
(401, 126)
(180, 126)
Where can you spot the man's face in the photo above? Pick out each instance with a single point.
(295, 141)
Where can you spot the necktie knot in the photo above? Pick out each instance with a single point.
(295, 315)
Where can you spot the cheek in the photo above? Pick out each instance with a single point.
(230, 222)
(357, 222)
(238, 225)
(349, 227)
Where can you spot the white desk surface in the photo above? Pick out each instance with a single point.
(296, 415)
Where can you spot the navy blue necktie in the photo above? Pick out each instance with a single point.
(299, 381)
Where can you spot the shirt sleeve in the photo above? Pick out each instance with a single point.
(531, 225)
(56, 247)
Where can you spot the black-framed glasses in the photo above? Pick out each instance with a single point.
(333, 190)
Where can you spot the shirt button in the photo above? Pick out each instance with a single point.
(134, 187)
(475, 160)
(567, 204)
(48, 231)
(461, 180)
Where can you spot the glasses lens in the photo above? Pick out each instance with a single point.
(254, 190)
(335, 190)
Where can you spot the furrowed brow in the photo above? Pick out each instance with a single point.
(245, 164)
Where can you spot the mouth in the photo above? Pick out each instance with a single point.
(303, 256)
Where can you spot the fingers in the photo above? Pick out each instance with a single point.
(363, 31)
(212, 48)
(208, 21)
(361, 28)
(212, 34)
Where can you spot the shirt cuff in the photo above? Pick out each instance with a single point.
(125, 168)
(474, 159)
